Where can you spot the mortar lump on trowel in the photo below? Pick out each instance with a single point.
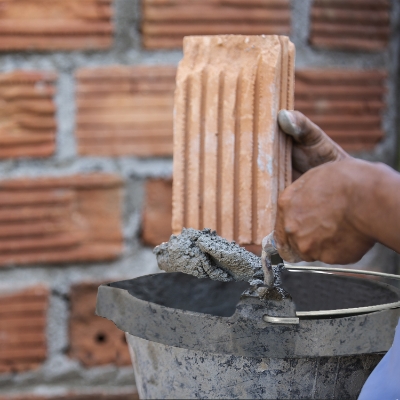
(204, 254)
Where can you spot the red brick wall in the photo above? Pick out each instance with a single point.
(347, 104)
(157, 212)
(66, 219)
(128, 111)
(350, 24)
(86, 111)
(125, 110)
(93, 340)
(27, 114)
(23, 320)
(166, 22)
(55, 25)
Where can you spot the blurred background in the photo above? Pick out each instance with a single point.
(86, 100)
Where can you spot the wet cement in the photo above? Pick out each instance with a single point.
(204, 254)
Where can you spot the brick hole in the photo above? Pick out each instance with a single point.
(123, 338)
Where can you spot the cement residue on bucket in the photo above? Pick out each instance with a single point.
(204, 254)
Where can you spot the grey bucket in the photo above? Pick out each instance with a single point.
(192, 338)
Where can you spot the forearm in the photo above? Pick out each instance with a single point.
(376, 204)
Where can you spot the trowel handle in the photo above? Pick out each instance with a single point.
(268, 250)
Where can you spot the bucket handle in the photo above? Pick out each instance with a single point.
(356, 310)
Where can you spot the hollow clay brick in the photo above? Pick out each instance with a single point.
(125, 110)
(350, 24)
(346, 104)
(60, 219)
(157, 212)
(230, 159)
(23, 344)
(94, 340)
(27, 114)
(166, 22)
(55, 25)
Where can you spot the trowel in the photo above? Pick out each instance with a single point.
(204, 254)
(268, 250)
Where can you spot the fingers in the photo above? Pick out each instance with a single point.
(315, 217)
(297, 125)
(313, 146)
(285, 250)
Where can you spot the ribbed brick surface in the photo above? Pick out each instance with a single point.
(157, 212)
(346, 104)
(55, 24)
(166, 22)
(350, 24)
(94, 340)
(230, 160)
(27, 114)
(125, 110)
(23, 329)
(62, 219)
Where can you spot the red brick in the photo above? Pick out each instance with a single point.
(346, 104)
(55, 25)
(27, 115)
(125, 110)
(350, 24)
(94, 340)
(60, 219)
(256, 249)
(23, 344)
(166, 22)
(157, 212)
(230, 159)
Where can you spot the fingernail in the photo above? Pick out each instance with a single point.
(287, 122)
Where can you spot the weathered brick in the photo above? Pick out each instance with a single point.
(230, 160)
(157, 212)
(124, 110)
(346, 104)
(94, 340)
(55, 24)
(23, 344)
(27, 114)
(166, 22)
(350, 24)
(60, 219)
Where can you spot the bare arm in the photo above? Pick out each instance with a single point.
(339, 207)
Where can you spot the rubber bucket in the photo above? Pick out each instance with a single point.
(198, 338)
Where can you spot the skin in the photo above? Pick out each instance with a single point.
(338, 207)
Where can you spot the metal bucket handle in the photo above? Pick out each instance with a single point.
(346, 311)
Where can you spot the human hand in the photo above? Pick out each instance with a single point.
(322, 215)
(311, 145)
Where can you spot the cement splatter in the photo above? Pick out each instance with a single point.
(204, 254)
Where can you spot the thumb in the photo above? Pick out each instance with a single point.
(312, 146)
